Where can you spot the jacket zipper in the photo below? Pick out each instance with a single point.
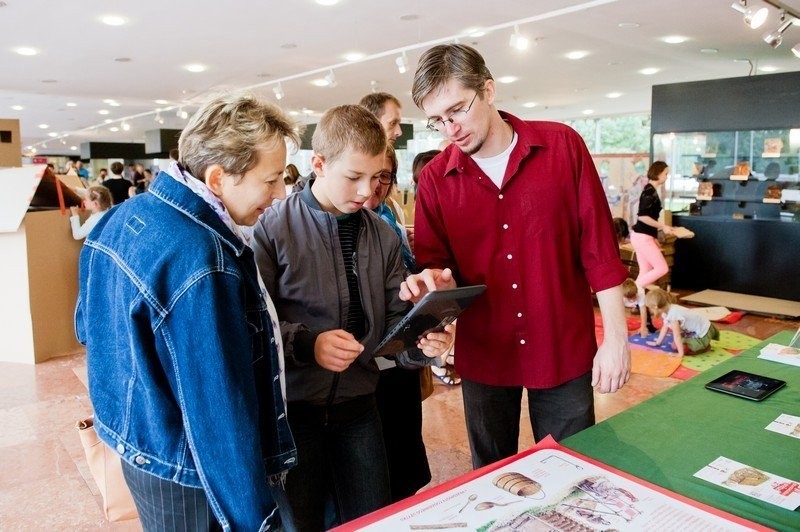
(333, 239)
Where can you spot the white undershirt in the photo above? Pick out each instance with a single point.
(495, 166)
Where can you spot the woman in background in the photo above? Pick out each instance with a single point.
(644, 234)
(98, 201)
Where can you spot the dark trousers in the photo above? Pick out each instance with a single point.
(340, 456)
(400, 407)
(492, 415)
(165, 505)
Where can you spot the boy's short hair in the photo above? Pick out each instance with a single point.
(629, 288)
(228, 130)
(658, 299)
(117, 168)
(346, 127)
(100, 194)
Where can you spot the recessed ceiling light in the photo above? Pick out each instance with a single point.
(613, 95)
(113, 20)
(577, 54)
(123, 59)
(107, 121)
(161, 102)
(26, 50)
(73, 148)
(614, 63)
(103, 112)
(195, 67)
(308, 111)
(409, 17)
(113, 128)
(52, 134)
(320, 82)
(289, 46)
(43, 126)
(354, 56)
(709, 50)
(649, 71)
(674, 39)
(507, 79)
(17, 107)
(49, 81)
(528, 105)
(628, 25)
(72, 104)
(768, 68)
(327, 2)
(588, 111)
(112, 103)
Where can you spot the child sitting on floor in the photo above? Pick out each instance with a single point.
(692, 331)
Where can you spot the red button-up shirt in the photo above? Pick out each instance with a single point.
(539, 243)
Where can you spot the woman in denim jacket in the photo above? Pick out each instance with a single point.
(183, 347)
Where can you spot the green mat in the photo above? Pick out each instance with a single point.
(735, 341)
(706, 360)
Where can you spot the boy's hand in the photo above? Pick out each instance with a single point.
(336, 350)
(417, 285)
(439, 343)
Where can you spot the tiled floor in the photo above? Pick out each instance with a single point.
(45, 484)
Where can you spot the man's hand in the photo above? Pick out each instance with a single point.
(612, 366)
(336, 350)
(417, 285)
(438, 343)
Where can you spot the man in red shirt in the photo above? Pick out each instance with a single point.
(517, 206)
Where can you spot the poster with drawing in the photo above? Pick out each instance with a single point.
(552, 490)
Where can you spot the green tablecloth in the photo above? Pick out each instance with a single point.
(671, 436)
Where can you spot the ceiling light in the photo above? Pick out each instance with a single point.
(125, 126)
(518, 41)
(753, 16)
(158, 118)
(709, 50)
(26, 50)
(507, 79)
(475, 33)
(278, 90)
(628, 25)
(331, 79)
(160, 102)
(43, 126)
(17, 107)
(319, 82)
(402, 63)
(768, 68)
(195, 67)
(52, 134)
(775, 38)
(107, 121)
(796, 50)
(327, 2)
(112, 103)
(73, 148)
(527, 105)
(373, 86)
(72, 104)
(588, 111)
(183, 115)
(577, 54)
(103, 112)
(113, 129)
(113, 20)
(613, 95)
(675, 39)
(649, 71)
(354, 56)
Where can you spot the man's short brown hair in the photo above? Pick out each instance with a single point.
(442, 63)
(375, 101)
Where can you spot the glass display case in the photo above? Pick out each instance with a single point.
(735, 174)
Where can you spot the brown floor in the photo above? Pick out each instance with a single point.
(45, 484)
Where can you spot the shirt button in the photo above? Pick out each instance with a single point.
(509, 257)
(505, 226)
(500, 196)
(519, 314)
(140, 460)
(522, 342)
(514, 286)
(121, 449)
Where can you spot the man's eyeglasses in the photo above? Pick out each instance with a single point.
(456, 117)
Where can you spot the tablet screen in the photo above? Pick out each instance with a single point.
(430, 314)
(746, 385)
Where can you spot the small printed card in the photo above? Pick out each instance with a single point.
(786, 424)
(781, 353)
(752, 482)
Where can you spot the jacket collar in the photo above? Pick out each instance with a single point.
(528, 138)
(181, 197)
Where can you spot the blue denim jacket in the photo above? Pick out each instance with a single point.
(183, 367)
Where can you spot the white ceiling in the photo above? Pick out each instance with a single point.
(244, 44)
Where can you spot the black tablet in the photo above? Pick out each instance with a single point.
(746, 385)
(432, 312)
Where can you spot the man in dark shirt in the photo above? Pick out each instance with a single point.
(118, 185)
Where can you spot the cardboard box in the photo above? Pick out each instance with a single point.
(39, 272)
(10, 143)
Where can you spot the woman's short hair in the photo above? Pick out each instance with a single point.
(348, 127)
(655, 170)
(291, 174)
(100, 194)
(444, 62)
(228, 130)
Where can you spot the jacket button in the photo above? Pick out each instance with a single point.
(140, 460)
(120, 448)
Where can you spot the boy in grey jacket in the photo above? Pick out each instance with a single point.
(334, 272)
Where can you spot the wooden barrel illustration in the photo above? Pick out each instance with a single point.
(517, 483)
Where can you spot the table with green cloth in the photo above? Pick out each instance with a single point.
(670, 437)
